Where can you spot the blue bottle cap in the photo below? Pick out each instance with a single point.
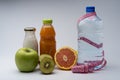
(90, 9)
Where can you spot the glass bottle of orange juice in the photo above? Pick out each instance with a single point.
(47, 38)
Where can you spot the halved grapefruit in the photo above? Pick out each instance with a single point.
(65, 58)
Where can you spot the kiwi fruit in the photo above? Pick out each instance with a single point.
(46, 64)
(43, 56)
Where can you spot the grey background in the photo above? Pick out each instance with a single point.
(17, 14)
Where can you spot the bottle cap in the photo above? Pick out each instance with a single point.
(29, 29)
(47, 21)
(90, 9)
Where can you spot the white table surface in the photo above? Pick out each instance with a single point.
(9, 71)
(15, 15)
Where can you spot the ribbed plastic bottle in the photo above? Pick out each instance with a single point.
(90, 42)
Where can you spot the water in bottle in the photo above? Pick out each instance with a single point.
(90, 42)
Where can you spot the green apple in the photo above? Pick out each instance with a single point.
(26, 59)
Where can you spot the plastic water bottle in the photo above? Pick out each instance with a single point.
(90, 42)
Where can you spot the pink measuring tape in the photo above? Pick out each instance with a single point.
(89, 66)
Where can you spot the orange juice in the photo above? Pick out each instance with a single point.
(47, 38)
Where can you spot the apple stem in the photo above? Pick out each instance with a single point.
(27, 50)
